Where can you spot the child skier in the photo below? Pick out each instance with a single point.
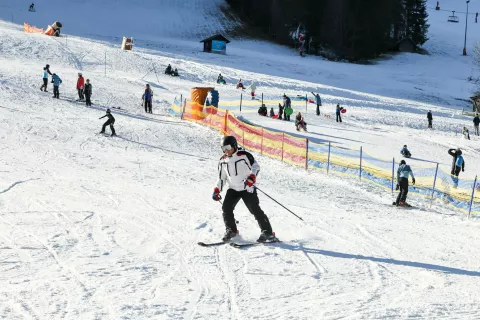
(403, 172)
(405, 152)
(241, 185)
(56, 84)
(88, 93)
(110, 122)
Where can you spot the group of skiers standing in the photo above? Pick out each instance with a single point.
(84, 89)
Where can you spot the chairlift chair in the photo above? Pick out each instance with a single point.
(453, 18)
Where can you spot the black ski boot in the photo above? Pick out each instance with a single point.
(229, 234)
(267, 237)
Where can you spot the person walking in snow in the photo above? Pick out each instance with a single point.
(147, 98)
(454, 153)
(239, 169)
(430, 118)
(110, 122)
(318, 100)
(252, 87)
(88, 93)
(80, 87)
(476, 123)
(338, 112)
(56, 84)
(46, 72)
(403, 173)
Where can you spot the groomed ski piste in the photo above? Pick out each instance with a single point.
(98, 227)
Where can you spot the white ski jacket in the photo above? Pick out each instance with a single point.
(236, 169)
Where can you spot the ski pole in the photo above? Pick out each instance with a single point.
(279, 203)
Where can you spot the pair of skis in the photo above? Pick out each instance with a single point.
(234, 244)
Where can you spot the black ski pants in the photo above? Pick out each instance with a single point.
(339, 117)
(148, 106)
(318, 109)
(45, 84)
(402, 195)
(80, 94)
(251, 202)
(56, 92)
(110, 123)
(87, 99)
(457, 170)
(430, 124)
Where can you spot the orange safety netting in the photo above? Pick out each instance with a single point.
(31, 29)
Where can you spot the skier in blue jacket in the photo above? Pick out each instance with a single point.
(403, 173)
(147, 98)
(56, 83)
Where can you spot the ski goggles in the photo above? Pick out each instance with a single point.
(227, 148)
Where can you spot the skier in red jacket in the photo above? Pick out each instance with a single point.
(80, 87)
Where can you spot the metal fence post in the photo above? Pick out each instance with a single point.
(434, 183)
(361, 156)
(393, 173)
(306, 156)
(471, 200)
(328, 161)
(306, 103)
(241, 100)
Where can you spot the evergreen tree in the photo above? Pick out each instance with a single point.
(416, 21)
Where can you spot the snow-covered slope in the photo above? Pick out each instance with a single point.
(93, 227)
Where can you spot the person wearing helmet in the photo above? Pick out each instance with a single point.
(403, 172)
(455, 153)
(239, 169)
(46, 72)
(80, 87)
(405, 152)
(147, 98)
(110, 122)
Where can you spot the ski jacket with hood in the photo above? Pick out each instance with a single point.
(235, 170)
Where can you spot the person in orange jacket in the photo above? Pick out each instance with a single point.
(80, 87)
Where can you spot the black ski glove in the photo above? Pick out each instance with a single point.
(413, 181)
(397, 187)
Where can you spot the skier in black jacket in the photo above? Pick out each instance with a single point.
(454, 153)
(430, 118)
(88, 93)
(476, 123)
(110, 121)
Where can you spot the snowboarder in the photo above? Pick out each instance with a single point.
(220, 79)
(466, 133)
(88, 93)
(454, 153)
(287, 103)
(430, 118)
(46, 72)
(272, 113)
(240, 84)
(110, 122)
(252, 87)
(241, 185)
(405, 152)
(476, 123)
(32, 7)
(56, 84)
(318, 100)
(338, 112)
(300, 123)
(403, 172)
(147, 98)
(80, 86)
(168, 70)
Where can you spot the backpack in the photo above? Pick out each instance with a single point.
(459, 161)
